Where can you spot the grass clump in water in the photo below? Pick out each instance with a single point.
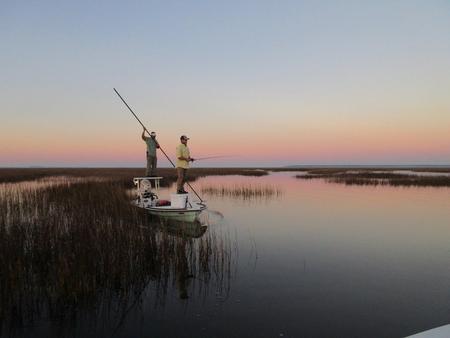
(243, 191)
(378, 178)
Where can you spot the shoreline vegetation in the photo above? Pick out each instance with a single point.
(346, 175)
(12, 175)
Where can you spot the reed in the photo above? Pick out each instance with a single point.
(245, 192)
(71, 246)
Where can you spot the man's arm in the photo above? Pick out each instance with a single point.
(143, 135)
(181, 157)
(189, 159)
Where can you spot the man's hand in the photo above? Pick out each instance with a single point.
(191, 159)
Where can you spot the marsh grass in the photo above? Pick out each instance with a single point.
(70, 246)
(334, 170)
(122, 175)
(377, 178)
(433, 170)
(169, 174)
(243, 191)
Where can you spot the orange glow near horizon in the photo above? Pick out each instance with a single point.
(357, 146)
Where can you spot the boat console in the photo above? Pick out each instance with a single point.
(145, 186)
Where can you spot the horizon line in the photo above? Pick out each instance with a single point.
(293, 166)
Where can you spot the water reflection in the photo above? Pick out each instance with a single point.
(356, 257)
(326, 260)
(195, 229)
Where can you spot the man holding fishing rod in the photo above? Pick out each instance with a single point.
(152, 160)
(183, 159)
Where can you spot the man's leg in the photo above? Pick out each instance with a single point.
(148, 169)
(184, 178)
(180, 179)
(153, 166)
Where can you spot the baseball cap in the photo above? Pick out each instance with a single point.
(184, 137)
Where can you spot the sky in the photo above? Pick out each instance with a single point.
(265, 83)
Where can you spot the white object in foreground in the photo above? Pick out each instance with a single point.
(439, 332)
(180, 207)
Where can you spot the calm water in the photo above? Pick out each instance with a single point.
(319, 260)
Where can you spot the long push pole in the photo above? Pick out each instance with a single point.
(160, 148)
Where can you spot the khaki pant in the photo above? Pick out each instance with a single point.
(151, 165)
(181, 178)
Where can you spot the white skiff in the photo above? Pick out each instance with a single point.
(180, 207)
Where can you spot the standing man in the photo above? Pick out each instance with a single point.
(183, 159)
(152, 145)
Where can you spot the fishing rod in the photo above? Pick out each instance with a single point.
(160, 148)
(207, 158)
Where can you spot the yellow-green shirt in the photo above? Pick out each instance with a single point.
(183, 151)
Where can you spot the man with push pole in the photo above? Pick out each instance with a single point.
(183, 159)
(152, 145)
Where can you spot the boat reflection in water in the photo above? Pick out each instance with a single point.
(193, 245)
(183, 229)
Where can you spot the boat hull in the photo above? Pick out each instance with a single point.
(179, 215)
